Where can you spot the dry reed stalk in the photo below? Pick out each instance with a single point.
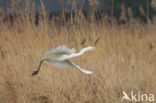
(126, 62)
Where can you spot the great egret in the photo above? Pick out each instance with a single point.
(60, 56)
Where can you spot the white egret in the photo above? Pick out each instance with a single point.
(60, 56)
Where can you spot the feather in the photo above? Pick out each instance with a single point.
(62, 64)
(63, 50)
(69, 64)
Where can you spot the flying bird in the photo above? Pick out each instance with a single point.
(60, 56)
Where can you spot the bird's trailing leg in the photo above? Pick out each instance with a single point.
(36, 72)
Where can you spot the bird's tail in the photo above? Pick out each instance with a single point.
(83, 70)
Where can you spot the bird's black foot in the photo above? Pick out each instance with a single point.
(34, 73)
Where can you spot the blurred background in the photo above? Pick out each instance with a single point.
(142, 9)
(125, 30)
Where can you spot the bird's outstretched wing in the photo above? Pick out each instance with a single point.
(83, 70)
(63, 50)
(69, 64)
(62, 64)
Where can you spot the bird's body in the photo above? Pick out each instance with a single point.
(60, 56)
(55, 57)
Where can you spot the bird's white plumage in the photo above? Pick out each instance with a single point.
(83, 70)
(60, 56)
(63, 49)
(62, 64)
(69, 64)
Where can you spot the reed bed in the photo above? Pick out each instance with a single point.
(127, 61)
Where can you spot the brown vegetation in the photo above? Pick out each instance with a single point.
(126, 62)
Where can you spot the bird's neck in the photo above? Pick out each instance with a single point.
(82, 51)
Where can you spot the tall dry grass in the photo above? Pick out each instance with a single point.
(126, 61)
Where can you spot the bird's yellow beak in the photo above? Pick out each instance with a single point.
(98, 49)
